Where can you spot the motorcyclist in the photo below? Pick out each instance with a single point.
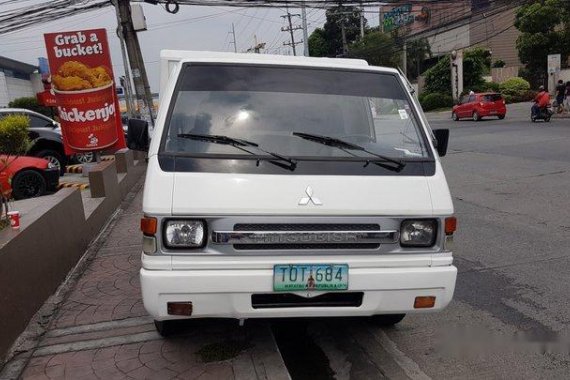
(541, 101)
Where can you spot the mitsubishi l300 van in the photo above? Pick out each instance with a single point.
(292, 187)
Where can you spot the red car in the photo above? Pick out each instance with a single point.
(24, 177)
(477, 106)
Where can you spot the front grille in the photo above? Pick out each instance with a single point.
(307, 227)
(282, 300)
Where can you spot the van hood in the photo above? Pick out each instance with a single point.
(249, 194)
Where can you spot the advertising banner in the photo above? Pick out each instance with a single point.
(82, 82)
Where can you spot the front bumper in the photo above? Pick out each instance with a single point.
(227, 293)
(52, 179)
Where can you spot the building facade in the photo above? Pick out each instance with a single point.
(456, 25)
(17, 79)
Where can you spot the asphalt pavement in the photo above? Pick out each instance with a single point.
(510, 317)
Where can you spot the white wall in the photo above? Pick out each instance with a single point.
(4, 98)
(445, 42)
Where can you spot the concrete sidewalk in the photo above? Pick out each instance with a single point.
(100, 330)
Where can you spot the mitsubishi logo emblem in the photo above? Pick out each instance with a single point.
(310, 198)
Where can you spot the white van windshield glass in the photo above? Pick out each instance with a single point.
(273, 106)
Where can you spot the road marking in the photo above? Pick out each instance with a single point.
(410, 367)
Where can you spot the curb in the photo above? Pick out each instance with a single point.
(74, 169)
(80, 186)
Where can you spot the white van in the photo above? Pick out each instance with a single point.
(285, 186)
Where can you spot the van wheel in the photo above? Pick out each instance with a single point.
(476, 116)
(501, 117)
(387, 319)
(164, 328)
(454, 117)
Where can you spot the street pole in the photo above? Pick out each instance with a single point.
(344, 42)
(361, 20)
(127, 81)
(305, 31)
(405, 59)
(142, 87)
(234, 35)
(291, 31)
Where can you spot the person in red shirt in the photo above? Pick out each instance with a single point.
(541, 101)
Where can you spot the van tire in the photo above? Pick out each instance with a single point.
(387, 319)
(454, 116)
(164, 328)
(476, 116)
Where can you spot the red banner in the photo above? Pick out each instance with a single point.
(82, 82)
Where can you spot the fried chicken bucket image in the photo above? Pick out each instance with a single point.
(86, 105)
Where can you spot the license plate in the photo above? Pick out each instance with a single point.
(310, 277)
(493, 112)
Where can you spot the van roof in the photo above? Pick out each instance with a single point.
(225, 57)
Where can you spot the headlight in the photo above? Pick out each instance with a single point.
(418, 233)
(184, 233)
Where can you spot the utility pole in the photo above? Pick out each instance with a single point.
(291, 29)
(343, 33)
(142, 87)
(233, 33)
(126, 82)
(305, 31)
(257, 46)
(361, 20)
(405, 59)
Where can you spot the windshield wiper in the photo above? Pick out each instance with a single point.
(240, 144)
(380, 160)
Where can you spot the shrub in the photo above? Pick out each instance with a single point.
(492, 86)
(438, 77)
(30, 103)
(484, 87)
(515, 86)
(436, 100)
(14, 139)
(499, 63)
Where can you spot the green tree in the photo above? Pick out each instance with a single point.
(30, 103)
(417, 51)
(318, 46)
(377, 49)
(331, 32)
(541, 34)
(476, 62)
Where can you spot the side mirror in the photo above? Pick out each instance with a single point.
(441, 141)
(137, 135)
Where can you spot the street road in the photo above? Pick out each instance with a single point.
(510, 182)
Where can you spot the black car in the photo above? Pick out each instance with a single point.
(45, 134)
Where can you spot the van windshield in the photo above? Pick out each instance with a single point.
(271, 105)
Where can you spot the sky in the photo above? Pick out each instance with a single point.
(192, 28)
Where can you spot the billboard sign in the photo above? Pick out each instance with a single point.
(84, 89)
(412, 17)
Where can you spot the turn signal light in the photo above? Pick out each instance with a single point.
(179, 308)
(148, 226)
(424, 302)
(450, 225)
